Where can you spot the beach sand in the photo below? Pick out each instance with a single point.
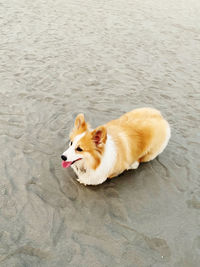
(102, 58)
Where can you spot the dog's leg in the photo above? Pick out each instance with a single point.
(148, 157)
(80, 181)
(134, 165)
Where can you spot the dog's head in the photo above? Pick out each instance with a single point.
(86, 146)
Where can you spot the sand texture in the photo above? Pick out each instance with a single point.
(102, 58)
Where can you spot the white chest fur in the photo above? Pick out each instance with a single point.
(98, 176)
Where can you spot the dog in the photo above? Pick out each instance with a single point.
(122, 144)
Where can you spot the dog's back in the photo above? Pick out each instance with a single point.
(139, 135)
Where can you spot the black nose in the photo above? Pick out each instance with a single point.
(63, 158)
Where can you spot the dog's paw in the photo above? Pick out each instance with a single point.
(135, 165)
(81, 182)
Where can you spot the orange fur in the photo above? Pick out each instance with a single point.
(91, 151)
(138, 135)
(80, 126)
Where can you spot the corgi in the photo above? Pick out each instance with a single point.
(122, 144)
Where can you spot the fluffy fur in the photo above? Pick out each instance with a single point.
(121, 144)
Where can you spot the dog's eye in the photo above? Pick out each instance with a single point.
(70, 143)
(79, 149)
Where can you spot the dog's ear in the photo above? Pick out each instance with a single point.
(80, 122)
(99, 135)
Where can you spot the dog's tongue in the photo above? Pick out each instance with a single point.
(66, 164)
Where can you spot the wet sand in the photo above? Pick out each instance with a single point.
(103, 58)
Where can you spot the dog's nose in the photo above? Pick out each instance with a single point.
(63, 157)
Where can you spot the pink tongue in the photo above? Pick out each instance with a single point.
(66, 164)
